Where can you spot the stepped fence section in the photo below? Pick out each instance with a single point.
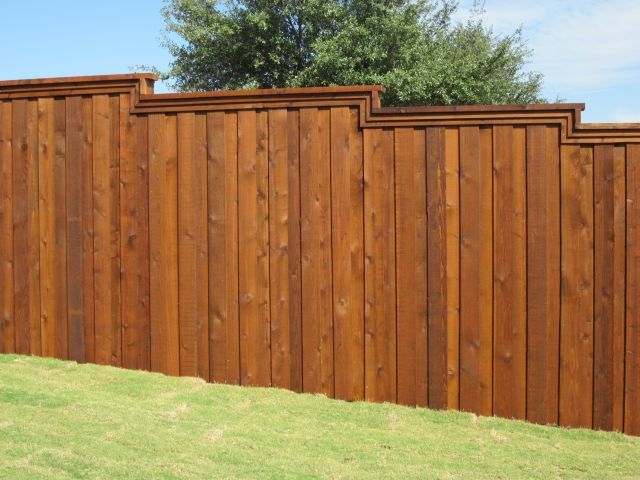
(485, 259)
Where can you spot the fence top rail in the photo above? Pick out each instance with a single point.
(365, 97)
(41, 84)
(78, 80)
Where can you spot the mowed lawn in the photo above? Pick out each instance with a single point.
(63, 420)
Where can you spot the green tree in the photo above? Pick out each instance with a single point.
(412, 47)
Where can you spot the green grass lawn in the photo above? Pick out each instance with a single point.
(63, 420)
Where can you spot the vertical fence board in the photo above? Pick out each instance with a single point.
(476, 255)
(543, 273)
(132, 297)
(405, 256)
(106, 222)
(420, 267)
(603, 233)
(218, 235)
(26, 227)
(437, 267)
(202, 245)
(452, 195)
(262, 219)
(222, 146)
(32, 230)
(74, 209)
(380, 274)
(509, 279)
(188, 315)
(348, 253)
(87, 230)
(609, 224)
(163, 242)
(7, 318)
(255, 357)
(411, 246)
(193, 289)
(47, 206)
(134, 245)
(60, 229)
(134, 219)
(279, 248)
(315, 214)
(619, 284)
(20, 166)
(294, 250)
(112, 280)
(576, 333)
(632, 343)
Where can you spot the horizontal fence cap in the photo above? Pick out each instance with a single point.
(78, 80)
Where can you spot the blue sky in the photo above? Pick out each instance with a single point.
(588, 50)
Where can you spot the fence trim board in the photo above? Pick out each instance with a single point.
(366, 98)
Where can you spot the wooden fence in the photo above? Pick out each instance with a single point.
(478, 258)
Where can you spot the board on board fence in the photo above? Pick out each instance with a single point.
(485, 259)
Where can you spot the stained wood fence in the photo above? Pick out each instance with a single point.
(477, 258)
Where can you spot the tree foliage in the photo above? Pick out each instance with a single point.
(414, 48)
